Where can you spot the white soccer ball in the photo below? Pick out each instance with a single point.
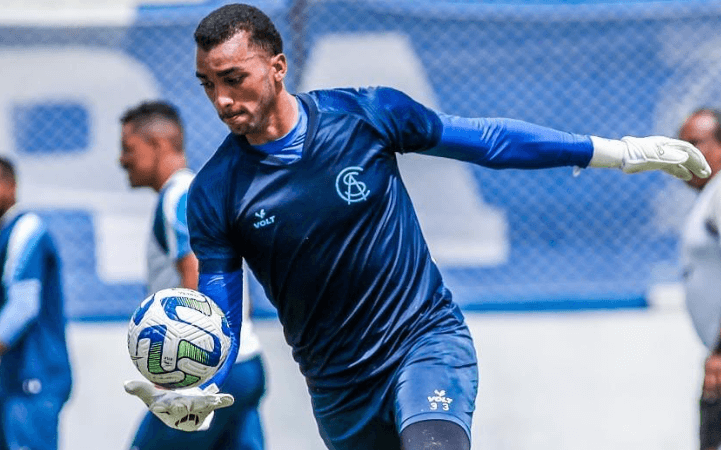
(178, 338)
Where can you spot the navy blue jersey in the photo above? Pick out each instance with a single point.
(37, 360)
(332, 237)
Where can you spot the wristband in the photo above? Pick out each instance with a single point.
(607, 152)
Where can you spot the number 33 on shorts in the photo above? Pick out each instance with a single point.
(439, 402)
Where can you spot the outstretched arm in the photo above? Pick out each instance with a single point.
(507, 143)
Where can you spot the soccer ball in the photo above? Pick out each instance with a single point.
(178, 338)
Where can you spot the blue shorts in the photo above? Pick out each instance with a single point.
(437, 380)
(30, 421)
(236, 427)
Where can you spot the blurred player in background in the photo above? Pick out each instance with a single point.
(307, 191)
(701, 256)
(35, 374)
(153, 156)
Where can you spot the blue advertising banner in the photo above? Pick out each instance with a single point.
(505, 240)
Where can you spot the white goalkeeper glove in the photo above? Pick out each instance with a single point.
(189, 409)
(632, 154)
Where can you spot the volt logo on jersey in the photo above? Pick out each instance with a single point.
(264, 219)
(439, 401)
(348, 186)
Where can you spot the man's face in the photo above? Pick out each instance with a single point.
(7, 195)
(699, 130)
(241, 82)
(138, 157)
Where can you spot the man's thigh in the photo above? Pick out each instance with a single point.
(438, 380)
(356, 417)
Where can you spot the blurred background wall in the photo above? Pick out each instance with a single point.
(508, 241)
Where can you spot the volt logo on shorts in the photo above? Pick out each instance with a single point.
(439, 401)
(264, 219)
(349, 187)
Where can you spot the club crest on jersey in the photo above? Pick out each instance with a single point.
(264, 219)
(349, 187)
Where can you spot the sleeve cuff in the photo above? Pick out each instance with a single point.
(607, 152)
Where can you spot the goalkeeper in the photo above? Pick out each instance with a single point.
(306, 190)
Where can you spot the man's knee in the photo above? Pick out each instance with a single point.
(434, 435)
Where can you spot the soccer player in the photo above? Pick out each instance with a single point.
(307, 191)
(35, 375)
(153, 156)
(701, 257)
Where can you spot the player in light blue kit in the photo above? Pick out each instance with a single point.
(307, 191)
(153, 156)
(35, 375)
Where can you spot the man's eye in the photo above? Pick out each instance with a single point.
(234, 80)
(205, 84)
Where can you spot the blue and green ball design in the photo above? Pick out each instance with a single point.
(178, 338)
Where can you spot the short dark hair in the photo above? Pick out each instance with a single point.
(7, 170)
(223, 23)
(149, 112)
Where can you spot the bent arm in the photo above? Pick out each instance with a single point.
(508, 143)
(24, 268)
(226, 290)
(21, 309)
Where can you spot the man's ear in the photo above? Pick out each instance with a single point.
(159, 143)
(279, 63)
